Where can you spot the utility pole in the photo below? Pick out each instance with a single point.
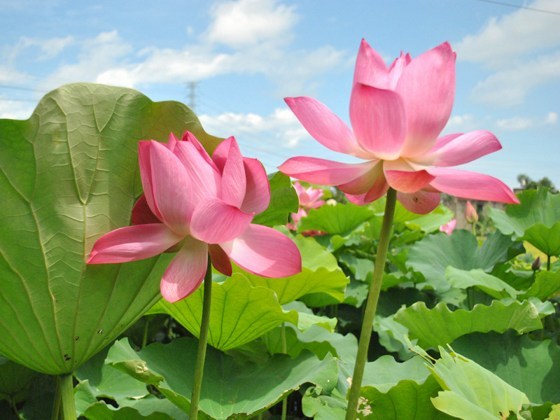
(192, 95)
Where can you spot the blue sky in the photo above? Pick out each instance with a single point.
(246, 55)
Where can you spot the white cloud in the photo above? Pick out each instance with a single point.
(510, 86)
(49, 48)
(517, 123)
(551, 118)
(280, 128)
(250, 22)
(516, 34)
(522, 49)
(97, 55)
(460, 123)
(16, 110)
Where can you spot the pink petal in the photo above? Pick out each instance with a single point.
(144, 152)
(464, 148)
(374, 178)
(379, 120)
(419, 202)
(220, 260)
(215, 221)
(142, 214)
(132, 243)
(427, 88)
(190, 138)
(257, 194)
(471, 185)
(264, 251)
(324, 126)
(449, 227)
(234, 181)
(186, 271)
(378, 190)
(172, 188)
(322, 171)
(370, 68)
(172, 141)
(202, 173)
(408, 182)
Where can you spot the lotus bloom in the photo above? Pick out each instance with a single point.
(309, 198)
(449, 227)
(397, 114)
(471, 215)
(199, 205)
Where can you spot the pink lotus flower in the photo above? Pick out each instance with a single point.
(397, 114)
(199, 205)
(309, 198)
(449, 227)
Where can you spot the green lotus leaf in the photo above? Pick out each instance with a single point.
(530, 366)
(239, 312)
(432, 255)
(440, 325)
(340, 219)
(229, 388)
(537, 206)
(320, 275)
(472, 392)
(283, 201)
(544, 238)
(68, 175)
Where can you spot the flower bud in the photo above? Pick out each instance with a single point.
(536, 264)
(470, 213)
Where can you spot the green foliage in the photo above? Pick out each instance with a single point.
(229, 388)
(239, 313)
(440, 325)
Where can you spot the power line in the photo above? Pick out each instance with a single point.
(516, 6)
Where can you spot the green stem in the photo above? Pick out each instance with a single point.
(548, 263)
(145, 335)
(284, 351)
(56, 403)
(371, 305)
(66, 385)
(202, 341)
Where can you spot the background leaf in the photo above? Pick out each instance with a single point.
(283, 201)
(440, 325)
(536, 206)
(340, 219)
(68, 175)
(239, 312)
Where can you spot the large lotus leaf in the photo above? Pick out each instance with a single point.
(229, 388)
(239, 312)
(320, 275)
(69, 174)
(432, 255)
(530, 366)
(544, 238)
(440, 325)
(472, 392)
(537, 206)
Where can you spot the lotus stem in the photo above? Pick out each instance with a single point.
(371, 305)
(66, 389)
(202, 342)
(284, 351)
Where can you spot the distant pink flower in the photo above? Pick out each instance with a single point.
(199, 205)
(309, 198)
(449, 227)
(471, 215)
(397, 114)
